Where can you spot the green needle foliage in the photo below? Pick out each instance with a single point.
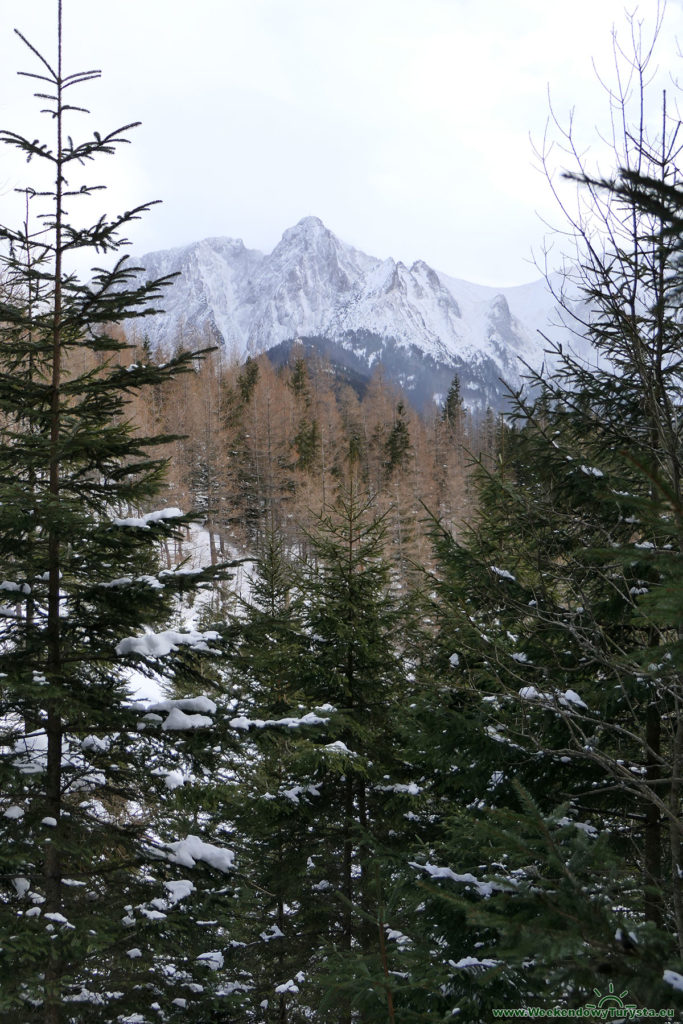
(558, 655)
(80, 858)
(270, 793)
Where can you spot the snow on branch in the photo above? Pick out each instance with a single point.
(484, 889)
(288, 723)
(569, 699)
(186, 852)
(502, 573)
(178, 719)
(143, 522)
(158, 645)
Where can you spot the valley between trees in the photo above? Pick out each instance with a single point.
(426, 765)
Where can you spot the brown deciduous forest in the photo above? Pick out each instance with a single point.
(264, 449)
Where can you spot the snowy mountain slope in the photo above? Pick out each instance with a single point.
(423, 326)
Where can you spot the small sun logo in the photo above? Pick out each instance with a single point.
(610, 998)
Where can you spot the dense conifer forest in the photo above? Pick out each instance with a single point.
(416, 749)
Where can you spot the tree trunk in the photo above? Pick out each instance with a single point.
(53, 777)
(653, 824)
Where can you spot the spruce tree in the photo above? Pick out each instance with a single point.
(90, 890)
(317, 789)
(397, 445)
(562, 614)
(270, 793)
(357, 663)
(453, 410)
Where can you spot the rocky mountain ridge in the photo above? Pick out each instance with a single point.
(357, 310)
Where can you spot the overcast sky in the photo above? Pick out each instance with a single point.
(404, 124)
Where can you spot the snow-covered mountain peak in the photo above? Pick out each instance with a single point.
(420, 269)
(307, 227)
(422, 325)
(233, 245)
(499, 310)
(308, 241)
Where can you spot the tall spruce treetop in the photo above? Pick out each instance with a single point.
(81, 598)
(453, 410)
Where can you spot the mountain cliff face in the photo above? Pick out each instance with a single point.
(359, 311)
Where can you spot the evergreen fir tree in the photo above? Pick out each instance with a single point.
(453, 409)
(82, 862)
(357, 664)
(397, 445)
(563, 613)
(318, 786)
(271, 797)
